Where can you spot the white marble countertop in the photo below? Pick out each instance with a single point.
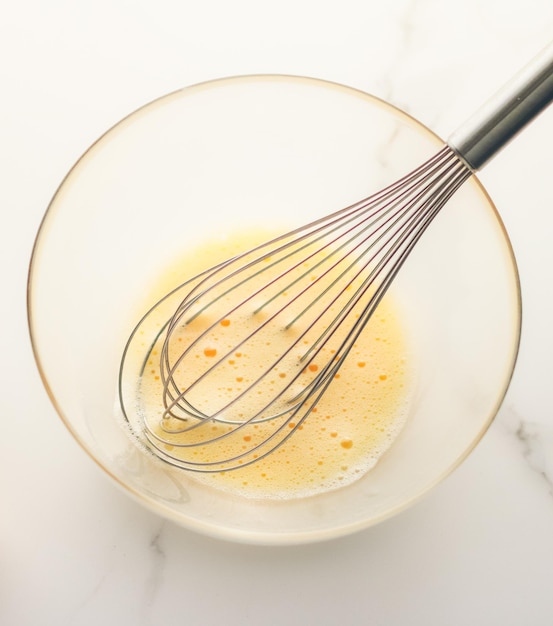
(76, 550)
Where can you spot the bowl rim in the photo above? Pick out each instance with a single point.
(212, 529)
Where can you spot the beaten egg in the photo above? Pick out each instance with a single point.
(345, 432)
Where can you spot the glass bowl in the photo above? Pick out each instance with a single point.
(269, 152)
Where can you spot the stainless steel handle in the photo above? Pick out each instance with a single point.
(505, 114)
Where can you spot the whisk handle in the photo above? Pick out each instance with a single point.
(502, 117)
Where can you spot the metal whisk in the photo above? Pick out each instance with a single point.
(274, 325)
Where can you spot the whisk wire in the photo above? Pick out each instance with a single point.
(379, 233)
(401, 241)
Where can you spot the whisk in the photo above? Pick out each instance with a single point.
(254, 342)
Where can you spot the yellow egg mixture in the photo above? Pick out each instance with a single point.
(342, 437)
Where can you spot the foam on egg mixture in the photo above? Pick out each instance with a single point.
(342, 438)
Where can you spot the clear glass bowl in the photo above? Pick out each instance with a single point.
(268, 151)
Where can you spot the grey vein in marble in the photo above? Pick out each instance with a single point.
(536, 442)
(155, 578)
(405, 38)
(82, 607)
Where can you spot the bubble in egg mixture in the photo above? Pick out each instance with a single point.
(344, 435)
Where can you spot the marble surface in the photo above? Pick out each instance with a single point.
(76, 550)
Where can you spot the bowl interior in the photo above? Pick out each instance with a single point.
(266, 152)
